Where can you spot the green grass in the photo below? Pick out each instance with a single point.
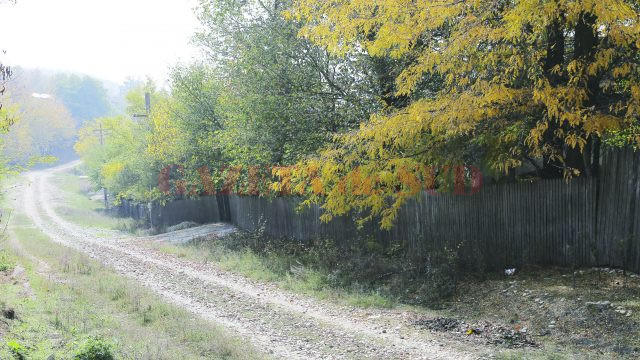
(529, 355)
(64, 305)
(6, 263)
(274, 269)
(77, 206)
(246, 263)
(176, 251)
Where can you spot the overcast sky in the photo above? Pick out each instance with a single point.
(109, 39)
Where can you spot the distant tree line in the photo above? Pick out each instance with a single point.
(46, 110)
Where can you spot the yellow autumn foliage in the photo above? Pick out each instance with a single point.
(496, 93)
(112, 169)
(165, 139)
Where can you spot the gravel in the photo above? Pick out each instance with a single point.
(284, 325)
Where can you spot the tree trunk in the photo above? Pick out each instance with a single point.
(585, 46)
(586, 43)
(555, 53)
(554, 61)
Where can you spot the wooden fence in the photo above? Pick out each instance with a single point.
(584, 222)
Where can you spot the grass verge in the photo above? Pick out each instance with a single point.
(80, 204)
(58, 303)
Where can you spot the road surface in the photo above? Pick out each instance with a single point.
(277, 322)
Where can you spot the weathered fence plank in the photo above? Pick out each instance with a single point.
(584, 222)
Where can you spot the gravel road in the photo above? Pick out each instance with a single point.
(279, 323)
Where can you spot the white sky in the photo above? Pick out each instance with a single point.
(109, 39)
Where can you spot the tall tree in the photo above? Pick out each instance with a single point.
(536, 81)
(281, 96)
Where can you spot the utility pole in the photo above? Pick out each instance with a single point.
(147, 107)
(101, 132)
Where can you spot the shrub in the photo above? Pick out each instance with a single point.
(95, 349)
(438, 280)
(5, 263)
(361, 265)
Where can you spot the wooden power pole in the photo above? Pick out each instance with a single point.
(101, 132)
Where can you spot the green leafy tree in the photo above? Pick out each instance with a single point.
(282, 97)
(195, 110)
(132, 151)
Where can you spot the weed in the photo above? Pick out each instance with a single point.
(5, 263)
(134, 227)
(95, 349)
(369, 272)
(147, 315)
(118, 293)
(57, 323)
(17, 350)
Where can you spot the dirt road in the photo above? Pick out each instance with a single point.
(279, 323)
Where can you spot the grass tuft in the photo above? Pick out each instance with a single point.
(6, 264)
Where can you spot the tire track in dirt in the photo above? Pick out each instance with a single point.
(282, 324)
